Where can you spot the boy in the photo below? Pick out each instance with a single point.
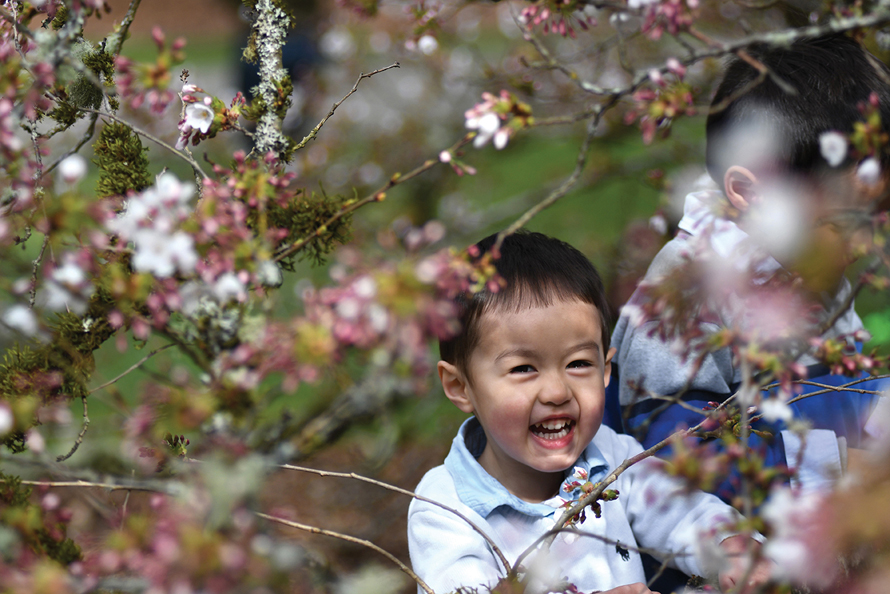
(531, 363)
(785, 210)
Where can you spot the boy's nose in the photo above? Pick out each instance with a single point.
(554, 389)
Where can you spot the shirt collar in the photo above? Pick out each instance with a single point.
(702, 218)
(483, 493)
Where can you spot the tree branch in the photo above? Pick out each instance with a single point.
(565, 187)
(314, 132)
(79, 440)
(358, 477)
(132, 368)
(376, 196)
(352, 539)
(182, 155)
(270, 31)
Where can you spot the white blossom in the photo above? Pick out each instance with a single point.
(428, 45)
(7, 420)
(21, 318)
(348, 308)
(775, 409)
(833, 146)
(365, 287)
(69, 274)
(501, 137)
(35, 441)
(199, 117)
(486, 126)
(869, 171)
(269, 274)
(228, 287)
(72, 168)
(378, 317)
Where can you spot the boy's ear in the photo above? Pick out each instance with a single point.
(455, 385)
(741, 187)
(607, 367)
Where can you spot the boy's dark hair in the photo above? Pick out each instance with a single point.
(539, 271)
(833, 76)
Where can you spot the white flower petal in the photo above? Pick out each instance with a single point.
(869, 171)
(199, 116)
(833, 146)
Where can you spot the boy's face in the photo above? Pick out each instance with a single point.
(825, 232)
(838, 230)
(536, 382)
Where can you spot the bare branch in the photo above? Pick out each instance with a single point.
(314, 132)
(92, 485)
(182, 155)
(116, 40)
(358, 477)
(352, 539)
(564, 188)
(79, 440)
(32, 294)
(129, 370)
(376, 196)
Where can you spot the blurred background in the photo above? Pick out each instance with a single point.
(624, 208)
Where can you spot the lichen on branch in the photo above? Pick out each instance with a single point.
(273, 93)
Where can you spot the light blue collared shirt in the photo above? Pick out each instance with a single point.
(484, 493)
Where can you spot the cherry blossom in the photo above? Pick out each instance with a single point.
(199, 117)
(833, 146)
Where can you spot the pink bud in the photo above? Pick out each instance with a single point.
(158, 36)
(674, 65)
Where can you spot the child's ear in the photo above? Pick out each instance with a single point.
(455, 385)
(740, 185)
(607, 367)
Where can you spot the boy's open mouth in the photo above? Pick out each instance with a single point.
(555, 429)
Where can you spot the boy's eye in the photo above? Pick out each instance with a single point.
(580, 363)
(522, 369)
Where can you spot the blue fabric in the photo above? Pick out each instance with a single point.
(484, 493)
(843, 412)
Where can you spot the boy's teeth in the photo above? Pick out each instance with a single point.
(552, 429)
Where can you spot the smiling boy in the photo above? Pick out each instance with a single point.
(531, 364)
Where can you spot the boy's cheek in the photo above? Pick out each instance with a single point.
(822, 260)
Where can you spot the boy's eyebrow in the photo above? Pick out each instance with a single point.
(527, 352)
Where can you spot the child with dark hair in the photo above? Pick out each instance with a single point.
(531, 363)
(793, 203)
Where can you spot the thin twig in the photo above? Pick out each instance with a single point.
(358, 477)
(32, 295)
(91, 129)
(88, 484)
(375, 196)
(563, 189)
(314, 132)
(352, 539)
(79, 440)
(129, 370)
(20, 28)
(184, 156)
(116, 41)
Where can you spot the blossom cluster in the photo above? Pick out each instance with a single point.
(498, 118)
(657, 107)
(143, 83)
(204, 118)
(152, 221)
(673, 16)
(24, 85)
(558, 16)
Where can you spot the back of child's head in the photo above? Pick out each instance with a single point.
(755, 123)
(538, 271)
